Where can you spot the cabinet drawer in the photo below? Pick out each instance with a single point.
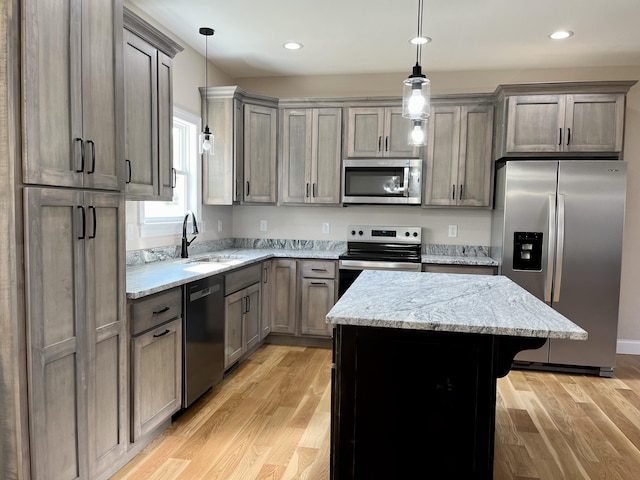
(239, 279)
(155, 309)
(318, 269)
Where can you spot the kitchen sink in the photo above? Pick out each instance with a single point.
(214, 259)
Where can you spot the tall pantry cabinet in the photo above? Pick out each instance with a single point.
(73, 211)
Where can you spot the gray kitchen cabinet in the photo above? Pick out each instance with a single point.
(569, 118)
(72, 72)
(459, 162)
(311, 154)
(148, 63)
(260, 153)
(284, 295)
(76, 335)
(379, 132)
(266, 291)
(156, 360)
(242, 312)
(467, 269)
(318, 295)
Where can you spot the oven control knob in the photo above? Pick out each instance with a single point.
(353, 232)
(415, 234)
(406, 234)
(360, 233)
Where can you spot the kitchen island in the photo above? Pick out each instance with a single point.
(416, 358)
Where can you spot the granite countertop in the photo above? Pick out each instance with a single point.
(462, 303)
(475, 260)
(154, 277)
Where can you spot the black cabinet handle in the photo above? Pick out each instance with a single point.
(162, 334)
(386, 144)
(568, 136)
(314, 190)
(162, 310)
(129, 171)
(266, 275)
(92, 209)
(307, 191)
(175, 178)
(318, 269)
(453, 192)
(84, 224)
(461, 192)
(93, 156)
(248, 189)
(379, 143)
(560, 140)
(319, 284)
(81, 154)
(248, 304)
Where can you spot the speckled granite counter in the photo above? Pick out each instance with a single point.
(449, 302)
(149, 278)
(475, 260)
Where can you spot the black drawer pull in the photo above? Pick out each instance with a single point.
(320, 284)
(162, 334)
(165, 309)
(318, 269)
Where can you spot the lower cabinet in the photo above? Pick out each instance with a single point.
(242, 313)
(265, 308)
(468, 269)
(283, 295)
(156, 360)
(318, 295)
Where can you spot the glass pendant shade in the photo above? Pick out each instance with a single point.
(206, 142)
(416, 96)
(418, 133)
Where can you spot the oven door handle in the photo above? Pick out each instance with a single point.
(372, 265)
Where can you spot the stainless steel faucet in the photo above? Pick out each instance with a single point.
(185, 243)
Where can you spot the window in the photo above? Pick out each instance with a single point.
(165, 217)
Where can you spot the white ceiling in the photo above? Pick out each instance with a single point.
(371, 36)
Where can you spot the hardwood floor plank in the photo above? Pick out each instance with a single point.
(270, 420)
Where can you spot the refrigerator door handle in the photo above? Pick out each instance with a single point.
(559, 250)
(551, 242)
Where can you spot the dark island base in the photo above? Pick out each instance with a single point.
(416, 404)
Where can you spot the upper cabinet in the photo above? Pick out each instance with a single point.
(311, 153)
(378, 132)
(148, 58)
(243, 166)
(459, 163)
(72, 85)
(564, 118)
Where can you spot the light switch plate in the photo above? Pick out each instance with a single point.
(326, 228)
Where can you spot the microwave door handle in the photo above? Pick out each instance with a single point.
(405, 186)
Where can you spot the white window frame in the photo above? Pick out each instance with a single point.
(157, 227)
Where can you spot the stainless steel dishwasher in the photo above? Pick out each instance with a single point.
(203, 337)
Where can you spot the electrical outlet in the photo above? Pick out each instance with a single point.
(219, 225)
(453, 230)
(263, 225)
(326, 228)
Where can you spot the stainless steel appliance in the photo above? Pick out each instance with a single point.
(379, 248)
(203, 337)
(557, 231)
(382, 181)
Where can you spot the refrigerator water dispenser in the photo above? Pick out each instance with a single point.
(527, 251)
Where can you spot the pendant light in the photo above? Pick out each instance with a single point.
(206, 137)
(416, 92)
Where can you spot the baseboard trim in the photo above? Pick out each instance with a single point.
(628, 347)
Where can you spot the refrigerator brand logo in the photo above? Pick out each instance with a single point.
(612, 170)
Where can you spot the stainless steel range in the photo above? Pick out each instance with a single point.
(379, 248)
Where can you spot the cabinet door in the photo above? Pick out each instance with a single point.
(141, 115)
(535, 122)
(443, 155)
(265, 300)
(396, 135)
(157, 376)
(296, 155)
(102, 98)
(165, 127)
(106, 329)
(218, 186)
(234, 306)
(260, 136)
(594, 123)
(475, 166)
(318, 296)
(56, 333)
(283, 306)
(252, 316)
(326, 145)
(365, 132)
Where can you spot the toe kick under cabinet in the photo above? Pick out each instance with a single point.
(156, 360)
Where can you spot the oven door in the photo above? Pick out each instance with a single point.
(350, 269)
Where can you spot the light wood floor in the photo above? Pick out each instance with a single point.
(270, 419)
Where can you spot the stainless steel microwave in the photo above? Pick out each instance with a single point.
(382, 181)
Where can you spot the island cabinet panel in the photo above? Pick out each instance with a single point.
(72, 73)
(422, 403)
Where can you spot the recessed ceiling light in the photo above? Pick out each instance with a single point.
(293, 46)
(419, 40)
(560, 34)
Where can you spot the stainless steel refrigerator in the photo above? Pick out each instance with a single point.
(557, 230)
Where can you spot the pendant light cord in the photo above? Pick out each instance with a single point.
(206, 75)
(419, 45)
